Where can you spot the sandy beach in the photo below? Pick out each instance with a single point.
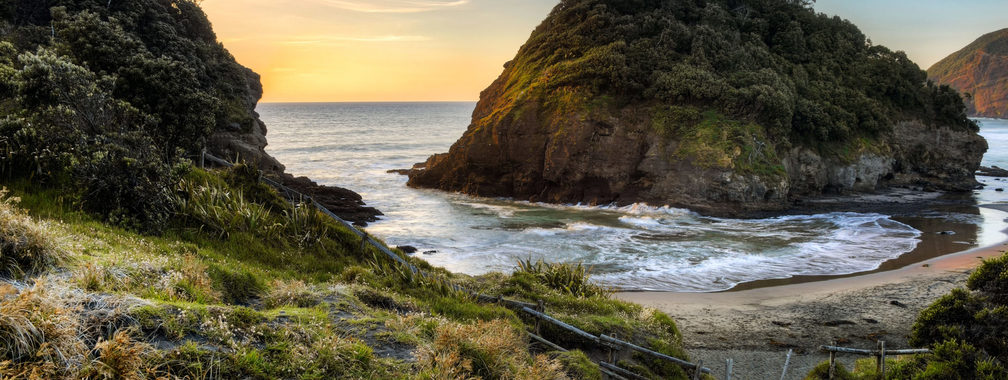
(757, 327)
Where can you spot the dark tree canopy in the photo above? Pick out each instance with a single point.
(109, 96)
(805, 76)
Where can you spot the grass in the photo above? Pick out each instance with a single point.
(27, 246)
(302, 300)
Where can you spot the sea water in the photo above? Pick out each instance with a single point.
(640, 247)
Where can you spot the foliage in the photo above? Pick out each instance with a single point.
(976, 316)
(106, 99)
(803, 78)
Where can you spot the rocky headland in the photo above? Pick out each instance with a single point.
(707, 109)
(980, 72)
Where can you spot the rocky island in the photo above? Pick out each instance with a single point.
(721, 107)
(980, 72)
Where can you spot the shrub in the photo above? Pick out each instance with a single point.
(991, 279)
(27, 246)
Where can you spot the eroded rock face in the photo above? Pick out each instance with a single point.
(622, 160)
(245, 143)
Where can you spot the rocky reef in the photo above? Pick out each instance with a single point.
(724, 110)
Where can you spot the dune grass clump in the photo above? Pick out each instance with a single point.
(571, 279)
(27, 246)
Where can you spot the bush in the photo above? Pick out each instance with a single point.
(486, 349)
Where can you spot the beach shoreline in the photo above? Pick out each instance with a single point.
(756, 327)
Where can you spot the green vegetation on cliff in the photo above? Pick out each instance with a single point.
(805, 76)
(106, 99)
(980, 72)
(721, 106)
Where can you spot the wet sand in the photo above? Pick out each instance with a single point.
(757, 326)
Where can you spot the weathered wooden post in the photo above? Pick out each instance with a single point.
(610, 346)
(832, 361)
(698, 371)
(881, 360)
(728, 371)
(542, 309)
(202, 157)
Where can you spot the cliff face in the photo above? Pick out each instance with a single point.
(722, 111)
(981, 70)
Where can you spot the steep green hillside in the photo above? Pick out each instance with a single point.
(980, 71)
(746, 102)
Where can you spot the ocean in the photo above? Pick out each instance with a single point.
(637, 247)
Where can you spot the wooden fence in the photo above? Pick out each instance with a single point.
(879, 354)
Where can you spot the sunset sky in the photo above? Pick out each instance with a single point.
(421, 50)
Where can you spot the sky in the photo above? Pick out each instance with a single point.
(450, 50)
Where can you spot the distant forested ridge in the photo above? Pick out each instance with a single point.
(980, 72)
(694, 102)
(109, 97)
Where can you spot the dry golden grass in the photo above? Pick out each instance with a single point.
(27, 246)
(485, 349)
(121, 358)
(39, 333)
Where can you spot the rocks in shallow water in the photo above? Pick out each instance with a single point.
(999, 189)
(344, 203)
(431, 252)
(898, 304)
(407, 249)
(946, 233)
(993, 171)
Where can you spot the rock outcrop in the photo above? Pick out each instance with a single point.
(980, 71)
(603, 105)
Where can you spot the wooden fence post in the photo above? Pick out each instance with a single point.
(880, 359)
(832, 361)
(202, 157)
(698, 371)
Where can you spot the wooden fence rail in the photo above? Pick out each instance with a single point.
(879, 354)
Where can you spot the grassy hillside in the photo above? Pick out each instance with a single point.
(979, 70)
(244, 285)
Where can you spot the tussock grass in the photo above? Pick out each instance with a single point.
(122, 357)
(485, 349)
(27, 245)
(570, 279)
(294, 293)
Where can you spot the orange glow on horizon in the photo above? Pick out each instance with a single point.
(390, 50)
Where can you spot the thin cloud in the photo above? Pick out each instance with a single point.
(393, 6)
